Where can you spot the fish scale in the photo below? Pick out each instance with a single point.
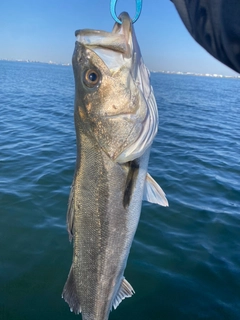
(115, 126)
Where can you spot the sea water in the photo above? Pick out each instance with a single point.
(185, 260)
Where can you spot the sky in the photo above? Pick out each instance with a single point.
(43, 30)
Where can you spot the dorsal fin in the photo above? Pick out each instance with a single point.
(153, 192)
(125, 291)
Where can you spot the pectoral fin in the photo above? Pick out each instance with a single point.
(125, 291)
(153, 192)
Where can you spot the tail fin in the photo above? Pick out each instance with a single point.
(70, 293)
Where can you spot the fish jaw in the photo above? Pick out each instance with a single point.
(121, 111)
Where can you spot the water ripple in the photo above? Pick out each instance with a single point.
(185, 261)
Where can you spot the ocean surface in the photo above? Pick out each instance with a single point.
(185, 260)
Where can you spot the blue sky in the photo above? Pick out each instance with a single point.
(43, 30)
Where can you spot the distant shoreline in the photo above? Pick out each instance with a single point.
(214, 75)
(39, 62)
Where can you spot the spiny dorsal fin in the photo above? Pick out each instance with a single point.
(125, 291)
(153, 192)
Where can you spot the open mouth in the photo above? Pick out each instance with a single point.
(118, 40)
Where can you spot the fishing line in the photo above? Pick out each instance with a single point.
(113, 4)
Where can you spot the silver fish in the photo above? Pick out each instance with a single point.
(116, 120)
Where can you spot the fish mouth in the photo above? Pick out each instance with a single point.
(110, 46)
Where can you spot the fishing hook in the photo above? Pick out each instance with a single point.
(114, 15)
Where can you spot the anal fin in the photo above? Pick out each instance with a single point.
(70, 293)
(125, 291)
(153, 192)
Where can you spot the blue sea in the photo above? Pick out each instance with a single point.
(185, 260)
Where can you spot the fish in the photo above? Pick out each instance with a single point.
(116, 120)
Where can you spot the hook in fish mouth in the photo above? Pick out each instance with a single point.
(114, 15)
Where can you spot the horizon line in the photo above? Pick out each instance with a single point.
(186, 73)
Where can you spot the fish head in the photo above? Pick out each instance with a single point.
(114, 101)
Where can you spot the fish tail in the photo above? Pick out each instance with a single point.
(70, 293)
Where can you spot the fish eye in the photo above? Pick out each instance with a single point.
(91, 78)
